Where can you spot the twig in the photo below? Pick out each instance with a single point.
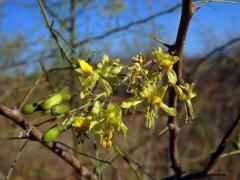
(35, 134)
(30, 92)
(84, 154)
(133, 164)
(46, 121)
(199, 62)
(230, 154)
(127, 26)
(53, 14)
(169, 46)
(16, 159)
(186, 14)
(209, 1)
(60, 69)
(221, 147)
(53, 32)
(195, 175)
(51, 86)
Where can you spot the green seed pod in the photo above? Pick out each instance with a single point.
(65, 94)
(52, 101)
(60, 109)
(29, 108)
(52, 133)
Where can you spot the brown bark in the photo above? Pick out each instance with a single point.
(177, 50)
(36, 135)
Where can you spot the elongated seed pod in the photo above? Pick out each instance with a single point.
(60, 109)
(29, 108)
(52, 101)
(52, 133)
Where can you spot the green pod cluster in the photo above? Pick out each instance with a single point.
(50, 104)
(52, 133)
(60, 109)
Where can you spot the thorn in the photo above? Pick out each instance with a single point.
(169, 46)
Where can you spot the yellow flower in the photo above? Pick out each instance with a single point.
(157, 100)
(106, 138)
(166, 65)
(87, 69)
(166, 62)
(79, 121)
(185, 93)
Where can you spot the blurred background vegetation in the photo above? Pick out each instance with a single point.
(120, 28)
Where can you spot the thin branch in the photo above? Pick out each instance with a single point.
(195, 175)
(127, 26)
(132, 165)
(29, 93)
(35, 134)
(53, 32)
(25, 61)
(221, 147)
(186, 14)
(230, 154)
(53, 14)
(15, 160)
(47, 77)
(85, 154)
(199, 62)
(46, 121)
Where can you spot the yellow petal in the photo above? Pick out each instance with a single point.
(86, 68)
(78, 122)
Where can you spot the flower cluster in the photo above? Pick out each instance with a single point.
(147, 81)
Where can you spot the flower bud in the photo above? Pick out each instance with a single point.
(51, 101)
(29, 108)
(52, 133)
(60, 109)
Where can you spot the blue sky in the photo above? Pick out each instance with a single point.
(211, 26)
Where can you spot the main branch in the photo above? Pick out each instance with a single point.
(36, 135)
(186, 15)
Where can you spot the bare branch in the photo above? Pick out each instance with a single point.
(16, 159)
(186, 14)
(199, 62)
(54, 33)
(127, 26)
(221, 147)
(29, 93)
(35, 134)
(230, 154)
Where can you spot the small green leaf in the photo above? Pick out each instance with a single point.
(189, 110)
(89, 84)
(169, 110)
(130, 103)
(92, 124)
(172, 77)
(124, 129)
(96, 108)
(106, 86)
